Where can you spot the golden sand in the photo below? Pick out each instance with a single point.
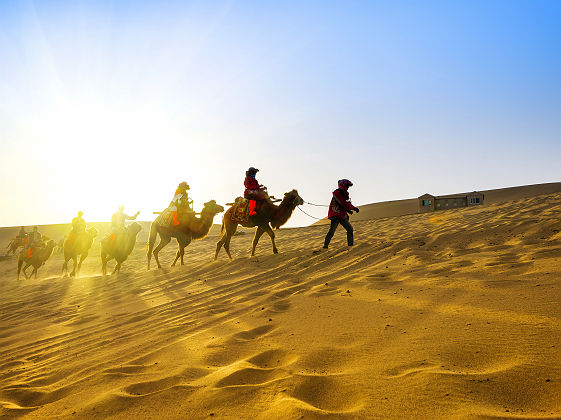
(455, 314)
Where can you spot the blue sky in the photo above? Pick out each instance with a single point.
(108, 103)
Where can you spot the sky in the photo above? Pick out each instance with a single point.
(106, 103)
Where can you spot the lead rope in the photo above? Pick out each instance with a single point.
(309, 215)
(317, 205)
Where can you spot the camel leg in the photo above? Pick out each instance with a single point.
(219, 245)
(258, 234)
(164, 240)
(65, 267)
(177, 255)
(271, 233)
(104, 263)
(229, 230)
(75, 261)
(20, 263)
(25, 270)
(34, 271)
(117, 268)
(82, 258)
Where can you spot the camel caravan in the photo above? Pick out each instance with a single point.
(255, 209)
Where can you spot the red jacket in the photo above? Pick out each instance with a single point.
(340, 203)
(251, 184)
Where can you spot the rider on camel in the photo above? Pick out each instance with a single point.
(339, 208)
(254, 191)
(180, 202)
(22, 234)
(78, 226)
(118, 222)
(34, 240)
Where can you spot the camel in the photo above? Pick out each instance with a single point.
(120, 248)
(269, 216)
(190, 227)
(79, 246)
(15, 244)
(39, 255)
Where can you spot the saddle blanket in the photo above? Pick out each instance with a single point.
(166, 219)
(240, 214)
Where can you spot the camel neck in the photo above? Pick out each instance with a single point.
(282, 214)
(131, 242)
(203, 225)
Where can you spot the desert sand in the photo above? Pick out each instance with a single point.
(454, 314)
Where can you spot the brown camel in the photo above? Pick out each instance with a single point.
(120, 248)
(15, 244)
(80, 245)
(190, 227)
(269, 216)
(39, 255)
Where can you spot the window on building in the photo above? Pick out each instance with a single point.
(474, 200)
(426, 202)
(437, 204)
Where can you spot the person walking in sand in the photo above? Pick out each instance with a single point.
(339, 210)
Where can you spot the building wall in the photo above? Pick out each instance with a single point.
(475, 199)
(450, 203)
(423, 201)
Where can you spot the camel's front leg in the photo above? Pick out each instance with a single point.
(82, 258)
(65, 267)
(104, 263)
(117, 268)
(271, 233)
(258, 234)
(75, 263)
(25, 270)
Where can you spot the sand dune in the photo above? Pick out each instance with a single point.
(448, 315)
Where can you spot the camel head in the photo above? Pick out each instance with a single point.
(92, 232)
(134, 228)
(293, 199)
(212, 208)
